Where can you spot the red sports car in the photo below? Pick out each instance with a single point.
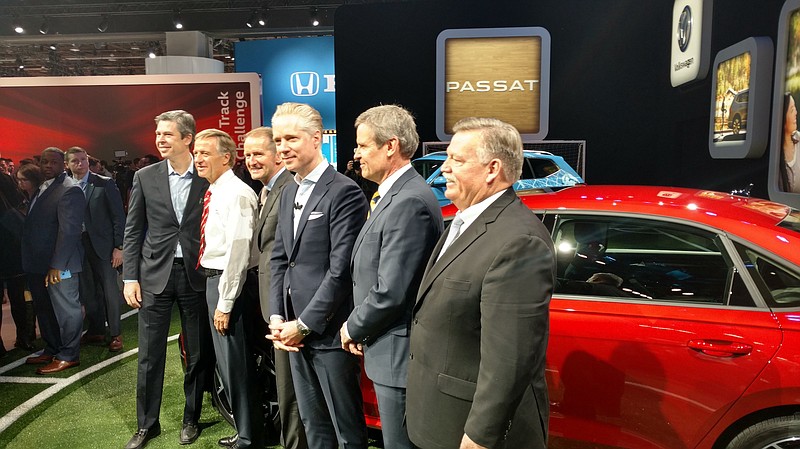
(675, 321)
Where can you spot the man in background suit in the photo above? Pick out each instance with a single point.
(480, 325)
(104, 226)
(389, 258)
(52, 256)
(161, 245)
(311, 295)
(264, 165)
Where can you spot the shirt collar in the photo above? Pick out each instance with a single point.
(387, 184)
(471, 213)
(223, 178)
(84, 179)
(274, 178)
(171, 170)
(315, 174)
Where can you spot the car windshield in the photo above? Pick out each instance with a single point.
(792, 221)
(426, 167)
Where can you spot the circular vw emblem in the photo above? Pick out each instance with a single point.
(685, 28)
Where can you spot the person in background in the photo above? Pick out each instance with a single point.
(264, 165)
(476, 374)
(160, 261)
(389, 258)
(226, 233)
(51, 257)
(103, 228)
(311, 293)
(353, 172)
(790, 162)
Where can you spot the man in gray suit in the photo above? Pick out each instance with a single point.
(311, 292)
(51, 257)
(104, 226)
(480, 324)
(264, 165)
(160, 253)
(389, 258)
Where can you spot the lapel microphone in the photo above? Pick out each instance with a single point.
(298, 206)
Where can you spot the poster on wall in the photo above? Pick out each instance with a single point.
(512, 82)
(784, 158)
(740, 100)
(112, 116)
(298, 70)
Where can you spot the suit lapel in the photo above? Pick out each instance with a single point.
(161, 184)
(272, 198)
(319, 191)
(467, 238)
(195, 195)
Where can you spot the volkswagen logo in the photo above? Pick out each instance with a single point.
(685, 28)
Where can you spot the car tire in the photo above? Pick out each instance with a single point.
(736, 124)
(782, 432)
(265, 378)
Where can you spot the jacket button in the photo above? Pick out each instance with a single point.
(411, 356)
(291, 264)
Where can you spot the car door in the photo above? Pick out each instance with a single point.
(654, 332)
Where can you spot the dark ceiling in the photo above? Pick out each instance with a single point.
(63, 38)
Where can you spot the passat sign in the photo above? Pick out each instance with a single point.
(511, 82)
(296, 69)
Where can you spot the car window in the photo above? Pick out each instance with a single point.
(541, 168)
(781, 285)
(644, 259)
(426, 167)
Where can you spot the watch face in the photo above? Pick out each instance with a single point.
(685, 28)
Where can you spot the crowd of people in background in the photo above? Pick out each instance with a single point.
(450, 323)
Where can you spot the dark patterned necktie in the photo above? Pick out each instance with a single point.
(206, 200)
(373, 203)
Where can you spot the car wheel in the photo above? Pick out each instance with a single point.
(736, 125)
(265, 379)
(782, 432)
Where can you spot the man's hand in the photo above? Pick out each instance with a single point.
(116, 258)
(221, 321)
(348, 344)
(276, 326)
(53, 277)
(467, 443)
(133, 294)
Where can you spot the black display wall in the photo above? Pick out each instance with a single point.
(610, 81)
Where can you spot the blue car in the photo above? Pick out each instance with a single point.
(540, 170)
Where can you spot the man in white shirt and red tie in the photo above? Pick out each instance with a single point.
(229, 215)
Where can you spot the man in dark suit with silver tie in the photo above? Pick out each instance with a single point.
(480, 325)
(161, 245)
(389, 258)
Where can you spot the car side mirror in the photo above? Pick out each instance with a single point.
(439, 181)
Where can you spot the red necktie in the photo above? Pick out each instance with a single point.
(206, 200)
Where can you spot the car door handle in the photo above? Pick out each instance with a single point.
(720, 348)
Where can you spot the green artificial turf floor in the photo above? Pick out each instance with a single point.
(98, 410)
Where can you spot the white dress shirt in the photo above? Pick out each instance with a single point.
(228, 235)
(470, 214)
(304, 189)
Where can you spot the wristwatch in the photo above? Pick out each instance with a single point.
(304, 331)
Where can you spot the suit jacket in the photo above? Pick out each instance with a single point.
(265, 238)
(152, 230)
(315, 263)
(388, 261)
(479, 335)
(105, 216)
(51, 237)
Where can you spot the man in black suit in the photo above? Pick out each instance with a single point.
(52, 256)
(389, 258)
(311, 295)
(103, 228)
(264, 165)
(480, 325)
(160, 253)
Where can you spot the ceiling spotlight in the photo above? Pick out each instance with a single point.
(177, 21)
(103, 25)
(252, 20)
(19, 62)
(17, 25)
(74, 48)
(151, 54)
(262, 17)
(44, 27)
(314, 17)
(53, 47)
